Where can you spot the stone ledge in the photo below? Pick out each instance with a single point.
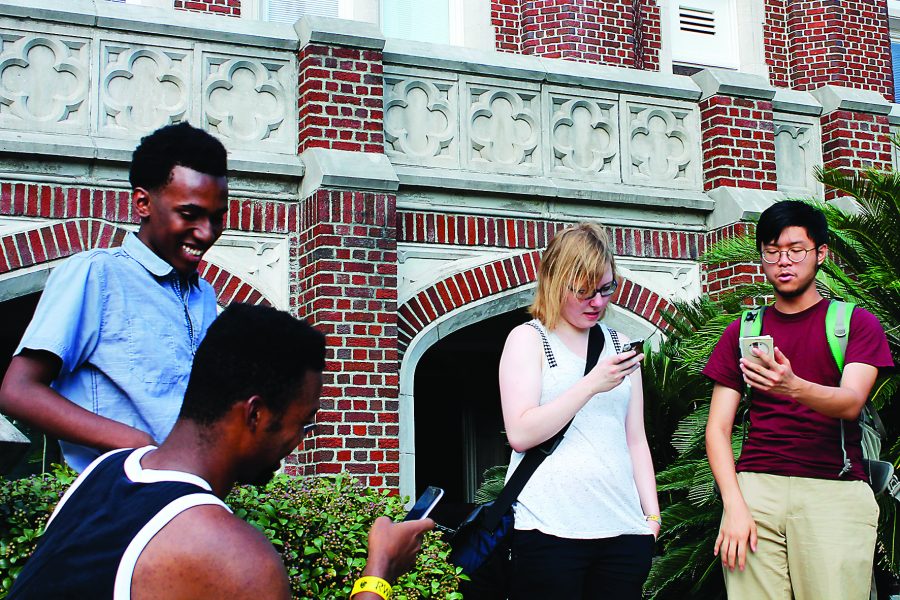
(340, 169)
(733, 205)
(797, 102)
(723, 82)
(94, 149)
(894, 115)
(549, 187)
(338, 32)
(836, 97)
(437, 58)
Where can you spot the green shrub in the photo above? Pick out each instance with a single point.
(320, 525)
(25, 506)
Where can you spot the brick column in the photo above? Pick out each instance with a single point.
(345, 255)
(623, 33)
(737, 129)
(855, 130)
(227, 8)
(819, 42)
(341, 85)
(347, 262)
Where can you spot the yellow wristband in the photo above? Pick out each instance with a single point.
(376, 585)
(653, 518)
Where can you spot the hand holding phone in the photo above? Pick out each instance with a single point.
(426, 502)
(763, 343)
(636, 345)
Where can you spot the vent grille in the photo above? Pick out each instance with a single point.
(697, 20)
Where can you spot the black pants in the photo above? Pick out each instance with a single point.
(548, 567)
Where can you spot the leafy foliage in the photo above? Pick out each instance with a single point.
(864, 268)
(320, 526)
(25, 507)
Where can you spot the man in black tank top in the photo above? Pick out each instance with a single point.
(150, 523)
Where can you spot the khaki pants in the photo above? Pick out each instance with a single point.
(816, 539)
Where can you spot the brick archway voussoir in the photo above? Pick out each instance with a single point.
(53, 241)
(502, 275)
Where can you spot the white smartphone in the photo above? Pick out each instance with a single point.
(763, 343)
(424, 504)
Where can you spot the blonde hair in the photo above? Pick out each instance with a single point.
(577, 257)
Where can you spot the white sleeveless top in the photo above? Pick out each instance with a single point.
(585, 489)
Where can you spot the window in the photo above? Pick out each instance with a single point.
(419, 20)
(703, 33)
(289, 11)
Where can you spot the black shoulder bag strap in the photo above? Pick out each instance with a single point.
(535, 456)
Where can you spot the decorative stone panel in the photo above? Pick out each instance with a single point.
(117, 85)
(660, 144)
(502, 132)
(44, 81)
(143, 87)
(421, 120)
(583, 135)
(798, 151)
(250, 99)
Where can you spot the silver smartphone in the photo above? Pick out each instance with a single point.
(762, 343)
(426, 502)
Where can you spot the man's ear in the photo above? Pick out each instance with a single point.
(821, 253)
(140, 198)
(253, 412)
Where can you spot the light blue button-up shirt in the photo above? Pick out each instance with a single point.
(125, 325)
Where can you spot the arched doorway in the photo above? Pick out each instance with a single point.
(458, 421)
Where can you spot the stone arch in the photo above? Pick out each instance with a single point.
(473, 295)
(41, 245)
(498, 276)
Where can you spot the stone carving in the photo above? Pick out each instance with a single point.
(244, 99)
(504, 130)
(261, 262)
(420, 119)
(143, 88)
(796, 154)
(44, 81)
(584, 136)
(661, 146)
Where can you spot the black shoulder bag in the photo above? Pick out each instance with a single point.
(481, 545)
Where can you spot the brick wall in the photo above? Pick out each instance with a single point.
(738, 143)
(506, 17)
(775, 43)
(853, 141)
(341, 98)
(720, 278)
(812, 43)
(346, 253)
(228, 8)
(612, 32)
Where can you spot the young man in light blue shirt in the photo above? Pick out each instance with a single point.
(105, 361)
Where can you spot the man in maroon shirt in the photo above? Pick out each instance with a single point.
(809, 525)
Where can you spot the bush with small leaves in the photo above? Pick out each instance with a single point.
(320, 526)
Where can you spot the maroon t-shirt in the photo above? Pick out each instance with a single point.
(786, 437)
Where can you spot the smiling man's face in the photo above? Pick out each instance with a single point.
(182, 219)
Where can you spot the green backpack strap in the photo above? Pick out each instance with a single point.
(837, 328)
(751, 321)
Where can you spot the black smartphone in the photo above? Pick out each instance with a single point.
(637, 344)
(424, 504)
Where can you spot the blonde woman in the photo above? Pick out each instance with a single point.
(586, 521)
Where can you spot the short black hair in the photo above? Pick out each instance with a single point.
(791, 213)
(251, 350)
(175, 145)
